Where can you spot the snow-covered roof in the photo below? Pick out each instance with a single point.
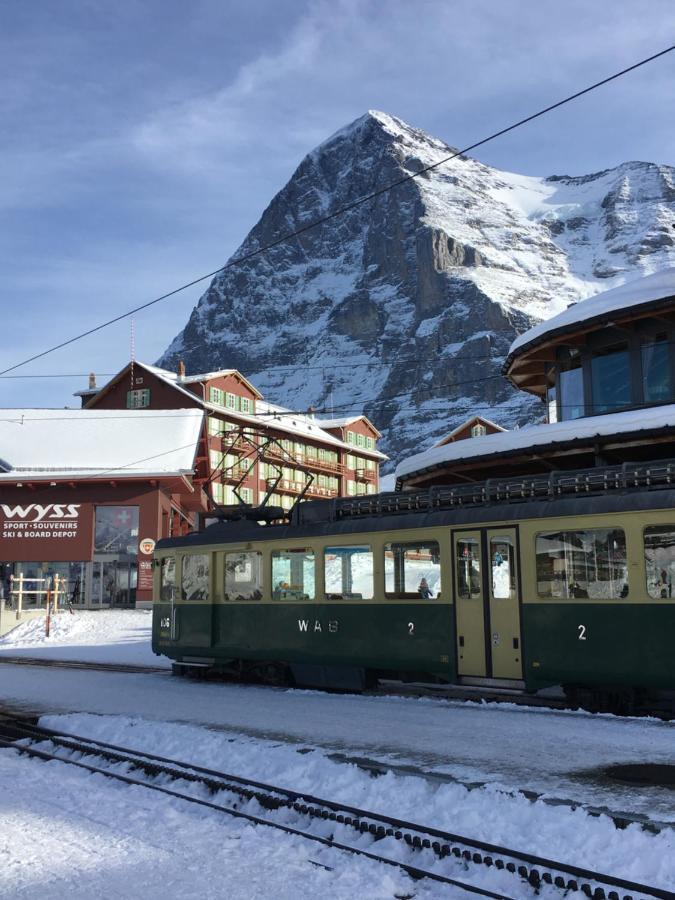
(299, 423)
(347, 420)
(448, 437)
(638, 292)
(88, 443)
(634, 420)
(269, 414)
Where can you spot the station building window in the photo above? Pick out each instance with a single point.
(611, 379)
(167, 590)
(571, 382)
(582, 565)
(348, 572)
(293, 575)
(116, 530)
(412, 570)
(243, 576)
(195, 577)
(660, 561)
(655, 359)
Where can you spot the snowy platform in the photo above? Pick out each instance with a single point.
(105, 636)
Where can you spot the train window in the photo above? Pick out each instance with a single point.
(582, 565)
(243, 576)
(293, 575)
(502, 568)
(348, 572)
(468, 568)
(195, 577)
(167, 591)
(660, 561)
(412, 570)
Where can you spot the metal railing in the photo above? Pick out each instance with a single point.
(627, 477)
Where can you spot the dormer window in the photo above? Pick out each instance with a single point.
(478, 430)
(138, 399)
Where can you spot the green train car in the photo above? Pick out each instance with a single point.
(562, 581)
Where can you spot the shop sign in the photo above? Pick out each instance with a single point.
(144, 574)
(147, 546)
(40, 532)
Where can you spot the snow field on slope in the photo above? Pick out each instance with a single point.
(490, 813)
(108, 636)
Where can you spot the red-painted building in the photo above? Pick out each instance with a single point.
(262, 449)
(85, 496)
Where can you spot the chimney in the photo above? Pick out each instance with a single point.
(92, 382)
(181, 370)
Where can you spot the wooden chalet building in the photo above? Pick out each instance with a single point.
(250, 448)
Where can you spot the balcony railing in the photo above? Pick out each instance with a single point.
(301, 459)
(297, 487)
(369, 475)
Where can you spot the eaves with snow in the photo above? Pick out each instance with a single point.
(580, 431)
(44, 444)
(640, 293)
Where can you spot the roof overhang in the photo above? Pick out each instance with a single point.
(628, 446)
(525, 367)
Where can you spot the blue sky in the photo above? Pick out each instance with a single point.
(142, 139)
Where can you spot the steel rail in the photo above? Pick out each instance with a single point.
(537, 871)
(413, 871)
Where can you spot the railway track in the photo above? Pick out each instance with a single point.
(420, 851)
(76, 664)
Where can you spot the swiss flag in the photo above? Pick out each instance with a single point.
(122, 518)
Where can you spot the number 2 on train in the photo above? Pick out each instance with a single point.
(582, 632)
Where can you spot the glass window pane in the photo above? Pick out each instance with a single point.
(116, 529)
(195, 583)
(349, 573)
(293, 575)
(502, 568)
(468, 568)
(551, 404)
(656, 370)
(660, 561)
(412, 571)
(167, 591)
(243, 576)
(610, 380)
(571, 393)
(582, 565)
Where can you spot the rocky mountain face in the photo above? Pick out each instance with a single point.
(405, 306)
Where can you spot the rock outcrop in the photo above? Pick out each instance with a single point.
(404, 307)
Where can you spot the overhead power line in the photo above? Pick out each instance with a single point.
(343, 209)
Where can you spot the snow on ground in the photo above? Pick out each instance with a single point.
(109, 636)
(491, 813)
(66, 833)
(559, 754)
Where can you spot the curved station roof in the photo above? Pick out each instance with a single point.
(526, 363)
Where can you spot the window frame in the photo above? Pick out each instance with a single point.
(367, 549)
(273, 590)
(627, 592)
(222, 577)
(410, 596)
(142, 394)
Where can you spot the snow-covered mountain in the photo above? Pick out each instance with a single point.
(404, 307)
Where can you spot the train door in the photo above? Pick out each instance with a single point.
(487, 603)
